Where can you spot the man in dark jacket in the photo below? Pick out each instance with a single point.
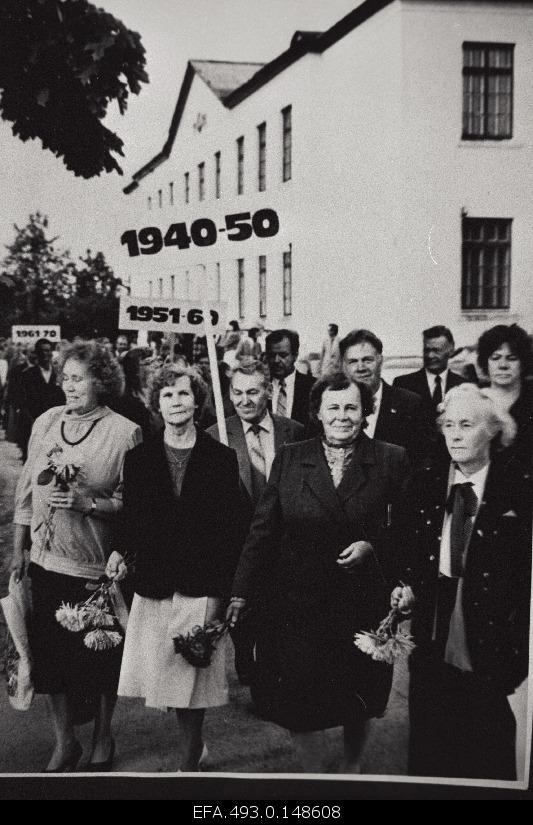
(290, 388)
(471, 579)
(39, 391)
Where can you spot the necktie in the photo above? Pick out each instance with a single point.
(281, 408)
(257, 460)
(437, 391)
(462, 504)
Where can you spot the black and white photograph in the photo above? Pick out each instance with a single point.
(266, 401)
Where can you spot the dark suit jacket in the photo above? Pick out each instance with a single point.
(190, 544)
(285, 431)
(403, 421)
(497, 579)
(312, 607)
(300, 405)
(417, 382)
(37, 394)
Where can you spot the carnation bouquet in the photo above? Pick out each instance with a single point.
(64, 476)
(95, 618)
(197, 646)
(388, 642)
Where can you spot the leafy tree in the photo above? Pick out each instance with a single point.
(61, 63)
(93, 308)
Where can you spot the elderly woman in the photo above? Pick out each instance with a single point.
(182, 522)
(505, 356)
(471, 579)
(320, 559)
(70, 542)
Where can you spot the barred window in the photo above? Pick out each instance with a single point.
(240, 165)
(287, 143)
(187, 187)
(217, 174)
(487, 91)
(486, 275)
(261, 157)
(287, 282)
(262, 286)
(201, 181)
(240, 278)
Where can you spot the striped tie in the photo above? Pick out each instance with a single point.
(281, 408)
(257, 460)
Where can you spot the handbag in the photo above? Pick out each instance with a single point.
(17, 663)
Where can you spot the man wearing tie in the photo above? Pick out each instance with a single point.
(468, 584)
(433, 381)
(256, 435)
(290, 388)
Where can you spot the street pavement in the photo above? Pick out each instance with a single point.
(238, 741)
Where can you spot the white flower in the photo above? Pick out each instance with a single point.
(366, 643)
(71, 617)
(102, 639)
(97, 617)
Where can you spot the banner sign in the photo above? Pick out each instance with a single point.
(29, 333)
(173, 315)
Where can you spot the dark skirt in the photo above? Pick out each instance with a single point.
(61, 662)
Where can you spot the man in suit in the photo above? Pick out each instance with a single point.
(471, 579)
(398, 416)
(39, 391)
(256, 435)
(433, 381)
(290, 388)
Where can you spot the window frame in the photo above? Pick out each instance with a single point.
(262, 272)
(287, 282)
(286, 144)
(241, 288)
(218, 163)
(488, 249)
(261, 156)
(487, 71)
(201, 181)
(187, 187)
(240, 165)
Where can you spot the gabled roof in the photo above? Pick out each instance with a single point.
(234, 82)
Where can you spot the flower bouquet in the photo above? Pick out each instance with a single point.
(388, 642)
(197, 646)
(95, 618)
(64, 476)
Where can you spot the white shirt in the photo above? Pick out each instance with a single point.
(3, 371)
(430, 377)
(289, 389)
(266, 439)
(46, 374)
(372, 419)
(478, 485)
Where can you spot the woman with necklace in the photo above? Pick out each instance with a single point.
(70, 528)
(183, 521)
(320, 559)
(505, 356)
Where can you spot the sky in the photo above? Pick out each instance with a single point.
(84, 214)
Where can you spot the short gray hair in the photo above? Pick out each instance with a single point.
(249, 366)
(498, 418)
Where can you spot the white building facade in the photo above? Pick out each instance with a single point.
(397, 148)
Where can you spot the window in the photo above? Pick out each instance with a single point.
(240, 278)
(160, 197)
(240, 166)
(172, 286)
(287, 282)
(171, 193)
(149, 202)
(262, 286)
(218, 282)
(201, 181)
(161, 287)
(261, 165)
(187, 187)
(217, 174)
(487, 91)
(287, 143)
(486, 263)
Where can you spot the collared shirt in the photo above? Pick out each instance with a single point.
(46, 374)
(478, 485)
(372, 419)
(289, 389)
(266, 438)
(431, 377)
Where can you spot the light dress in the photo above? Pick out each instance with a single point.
(151, 668)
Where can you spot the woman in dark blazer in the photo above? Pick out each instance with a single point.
(320, 558)
(182, 521)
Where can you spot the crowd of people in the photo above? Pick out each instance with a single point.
(338, 497)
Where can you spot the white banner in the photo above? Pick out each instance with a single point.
(173, 315)
(29, 333)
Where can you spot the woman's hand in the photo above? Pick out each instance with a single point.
(354, 554)
(116, 567)
(18, 565)
(214, 610)
(235, 608)
(71, 500)
(403, 599)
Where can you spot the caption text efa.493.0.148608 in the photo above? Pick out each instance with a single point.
(240, 226)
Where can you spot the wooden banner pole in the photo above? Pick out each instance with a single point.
(213, 363)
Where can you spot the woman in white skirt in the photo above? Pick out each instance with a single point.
(183, 521)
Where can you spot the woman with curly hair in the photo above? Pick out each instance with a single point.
(184, 525)
(69, 528)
